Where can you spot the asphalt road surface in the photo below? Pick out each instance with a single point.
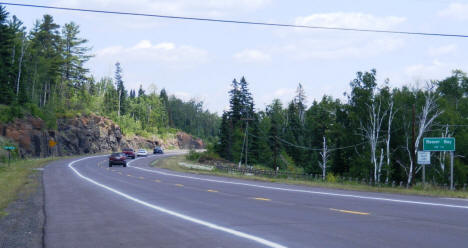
(88, 204)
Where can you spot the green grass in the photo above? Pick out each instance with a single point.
(172, 164)
(16, 178)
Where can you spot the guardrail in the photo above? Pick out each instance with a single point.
(338, 179)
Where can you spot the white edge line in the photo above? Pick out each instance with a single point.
(173, 213)
(306, 191)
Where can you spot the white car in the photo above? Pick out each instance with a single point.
(142, 153)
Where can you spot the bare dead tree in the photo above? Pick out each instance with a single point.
(429, 113)
(442, 154)
(325, 154)
(391, 115)
(371, 131)
(20, 65)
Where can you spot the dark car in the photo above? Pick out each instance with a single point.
(129, 152)
(118, 159)
(158, 150)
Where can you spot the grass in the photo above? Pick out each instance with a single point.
(17, 178)
(172, 164)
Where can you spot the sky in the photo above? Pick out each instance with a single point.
(199, 60)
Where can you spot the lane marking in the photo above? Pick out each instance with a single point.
(179, 185)
(261, 199)
(176, 214)
(128, 175)
(349, 211)
(158, 181)
(306, 191)
(120, 173)
(212, 190)
(142, 178)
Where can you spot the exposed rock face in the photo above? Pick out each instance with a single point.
(82, 135)
(186, 141)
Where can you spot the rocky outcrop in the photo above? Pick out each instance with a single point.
(82, 135)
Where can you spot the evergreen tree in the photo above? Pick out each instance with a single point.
(121, 91)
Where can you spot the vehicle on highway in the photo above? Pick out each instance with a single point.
(142, 153)
(118, 158)
(158, 150)
(129, 152)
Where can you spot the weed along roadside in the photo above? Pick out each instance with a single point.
(17, 177)
(179, 163)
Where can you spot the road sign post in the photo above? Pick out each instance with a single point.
(444, 144)
(9, 149)
(424, 158)
(439, 144)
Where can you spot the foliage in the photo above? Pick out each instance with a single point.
(43, 73)
(291, 137)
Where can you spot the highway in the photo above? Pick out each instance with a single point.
(88, 204)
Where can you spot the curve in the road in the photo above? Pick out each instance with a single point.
(173, 213)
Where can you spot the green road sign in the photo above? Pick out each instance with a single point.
(9, 147)
(439, 144)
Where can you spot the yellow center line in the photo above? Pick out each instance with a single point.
(179, 185)
(261, 199)
(141, 178)
(212, 190)
(158, 181)
(349, 212)
(129, 175)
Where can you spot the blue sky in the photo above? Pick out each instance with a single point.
(199, 59)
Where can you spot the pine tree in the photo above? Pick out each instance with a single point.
(121, 91)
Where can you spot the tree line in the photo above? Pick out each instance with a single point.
(43, 73)
(374, 133)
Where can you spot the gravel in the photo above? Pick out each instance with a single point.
(23, 225)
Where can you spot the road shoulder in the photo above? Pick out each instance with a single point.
(23, 225)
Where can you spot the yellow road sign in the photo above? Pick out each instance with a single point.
(52, 143)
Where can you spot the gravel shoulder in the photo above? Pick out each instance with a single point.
(23, 224)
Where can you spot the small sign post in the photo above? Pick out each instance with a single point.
(443, 144)
(9, 149)
(424, 158)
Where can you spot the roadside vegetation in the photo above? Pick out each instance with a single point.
(375, 132)
(17, 178)
(43, 74)
(173, 163)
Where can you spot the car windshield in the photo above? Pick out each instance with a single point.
(115, 155)
(128, 150)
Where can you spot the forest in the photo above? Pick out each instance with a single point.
(43, 73)
(374, 133)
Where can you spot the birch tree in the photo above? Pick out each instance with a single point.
(324, 154)
(371, 131)
(426, 117)
(391, 116)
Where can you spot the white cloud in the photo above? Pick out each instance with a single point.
(443, 50)
(435, 70)
(455, 10)
(251, 56)
(350, 20)
(145, 51)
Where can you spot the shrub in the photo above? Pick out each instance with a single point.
(193, 155)
(331, 178)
